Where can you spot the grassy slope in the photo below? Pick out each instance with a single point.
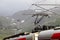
(57, 22)
(5, 33)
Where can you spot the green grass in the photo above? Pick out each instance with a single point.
(2, 36)
(5, 33)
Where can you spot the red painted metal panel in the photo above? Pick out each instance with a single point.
(56, 36)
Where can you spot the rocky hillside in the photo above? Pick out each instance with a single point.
(28, 20)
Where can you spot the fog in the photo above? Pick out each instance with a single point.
(9, 7)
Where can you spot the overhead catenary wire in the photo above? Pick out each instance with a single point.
(48, 9)
(45, 10)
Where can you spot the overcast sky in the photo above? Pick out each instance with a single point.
(9, 7)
